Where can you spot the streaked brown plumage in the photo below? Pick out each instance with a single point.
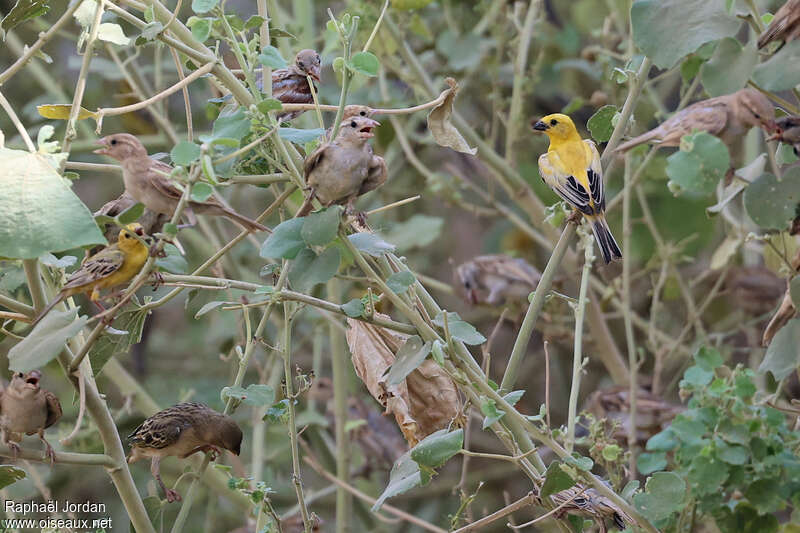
(25, 409)
(785, 25)
(728, 117)
(290, 86)
(340, 171)
(180, 431)
(497, 279)
(587, 502)
(147, 181)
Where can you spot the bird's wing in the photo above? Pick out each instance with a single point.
(785, 19)
(595, 175)
(567, 187)
(160, 182)
(53, 409)
(289, 87)
(314, 160)
(376, 177)
(163, 428)
(97, 267)
(709, 115)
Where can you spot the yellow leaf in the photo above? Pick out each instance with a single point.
(62, 111)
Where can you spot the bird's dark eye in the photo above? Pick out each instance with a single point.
(756, 114)
(113, 141)
(353, 124)
(553, 122)
(466, 283)
(363, 113)
(300, 63)
(20, 375)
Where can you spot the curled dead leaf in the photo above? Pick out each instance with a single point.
(442, 129)
(426, 401)
(784, 313)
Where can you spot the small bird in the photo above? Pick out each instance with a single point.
(340, 171)
(583, 501)
(182, 430)
(497, 279)
(150, 221)
(571, 167)
(25, 409)
(147, 181)
(788, 132)
(290, 85)
(728, 117)
(112, 266)
(785, 25)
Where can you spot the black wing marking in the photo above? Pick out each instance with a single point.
(596, 187)
(575, 194)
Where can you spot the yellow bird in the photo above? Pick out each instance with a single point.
(571, 167)
(110, 267)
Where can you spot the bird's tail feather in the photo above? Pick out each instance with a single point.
(248, 223)
(608, 245)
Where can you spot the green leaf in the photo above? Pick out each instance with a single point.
(201, 28)
(731, 453)
(437, 448)
(23, 10)
(730, 67)
(783, 357)
(39, 212)
(555, 480)
(321, 227)
(772, 203)
(405, 475)
(460, 330)
(112, 33)
(765, 495)
(699, 165)
(10, 474)
(579, 461)
(688, 430)
(299, 136)
(365, 63)
(662, 442)
(647, 462)
(229, 125)
(708, 358)
(285, 240)
(491, 412)
(399, 282)
(201, 192)
(203, 6)
(785, 155)
(664, 495)
(174, 262)
(773, 74)
(269, 104)
(354, 308)
(271, 57)
(210, 306)
(131, 214)
(254, 22)
(667, 30)
(46, 340)
(706, 474)
(611, 452)
(54, 262)
(309, 269)
(129, 324)
(408, 358)
(513, 397)
(185, 153)
(744, 387)
(370, 244)
(278, 413)
(416, 232)
(256, 395)
(600, 125)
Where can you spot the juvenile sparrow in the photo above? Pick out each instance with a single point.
(147, 181)
(112, 266)
(788, 132)
(150, 221)
(340, 171)
(785, 25)
(182, 430)
(25, 409)
(497, 279)
(290, 86)
(728, 117)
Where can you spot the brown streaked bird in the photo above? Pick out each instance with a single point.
(340, 171)
(147, 181)
(180, 431)
(727, 117)
(150, 221)
(25, 409)
(788, 132)
(290, 85)
(588, 502)
(785, 25)
(497, 279)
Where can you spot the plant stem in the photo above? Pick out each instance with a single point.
(627, 230)
(634, 91)
(535, 307)
(66, 458)
(17, 306)
(17, 123)
(515, 119)
(347, 76)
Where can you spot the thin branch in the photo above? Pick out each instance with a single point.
(66, 458)
(17, 123)
(526, 501)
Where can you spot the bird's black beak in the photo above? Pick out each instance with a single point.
(539, 126)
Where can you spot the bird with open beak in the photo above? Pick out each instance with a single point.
(290, 85)
(25, 409)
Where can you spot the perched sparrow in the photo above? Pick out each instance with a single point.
(340, 171)
(147, 181)
(785, 25)
(112, 266)
(290, 86)
(497, 279)
(182, 430)
(25, 409)
(150, 221)
(571, 167)
(583, 501)
(653, 414)
(350, 111)
(728, 117)
(788, 132)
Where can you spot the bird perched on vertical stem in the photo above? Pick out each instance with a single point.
(785, 25)
(25, 409)
(112, 266)
(340, 171)
(290, 85)
(182, 430)
(147, 180)
(571, 167)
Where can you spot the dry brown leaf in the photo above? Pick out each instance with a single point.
(426, 401)
(444, 133)
(785, 312)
